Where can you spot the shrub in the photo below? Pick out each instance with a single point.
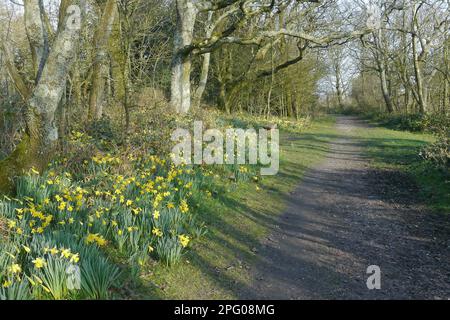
(435, 123)
(105, 136)
(438, 153)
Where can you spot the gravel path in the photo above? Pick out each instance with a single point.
(339, 221)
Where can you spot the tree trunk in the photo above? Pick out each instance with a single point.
(118, 60)
(446, 97)
(205, 66)
(421, 99)
(181, 61)
(385, 89)
(41, 135)
(223, 101)
(35, 32)
(339, 90)
(203, 80)
(101, 66)
(419, 80)
(382, 72)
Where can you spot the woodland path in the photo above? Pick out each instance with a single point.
(343, 218)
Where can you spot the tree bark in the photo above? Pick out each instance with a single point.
(418, 76)
(205, 66)
(445, 97)
(339, 92)
(101, 66)
(181, 62)
(417, 62)
(34, 28)
(385, 89)
(41, 136)
(381, 64)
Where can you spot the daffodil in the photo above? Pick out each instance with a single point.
(75, 258)
(39, 263)
(96, 238)
(15, 268)
(184, 240)
(184, 206)
(11, 224)
(62, 206)
(65, 253)
(101, 241)
(157, 232)
(136, 211)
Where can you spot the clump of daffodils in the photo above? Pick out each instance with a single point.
(147, 212)
(97, 239)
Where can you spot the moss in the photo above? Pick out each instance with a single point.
(23, 158)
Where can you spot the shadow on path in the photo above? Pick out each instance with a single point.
(338, 223)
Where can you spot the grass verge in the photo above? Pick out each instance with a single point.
(399, 150)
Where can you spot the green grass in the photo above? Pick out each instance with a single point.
(238, 217)
(399, 150)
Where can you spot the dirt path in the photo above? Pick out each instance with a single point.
(339, 221)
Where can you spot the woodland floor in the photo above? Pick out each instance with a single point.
(345, 216)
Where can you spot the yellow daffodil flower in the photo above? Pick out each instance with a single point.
(39, 263)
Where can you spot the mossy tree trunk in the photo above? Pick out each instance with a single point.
(39, 141)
